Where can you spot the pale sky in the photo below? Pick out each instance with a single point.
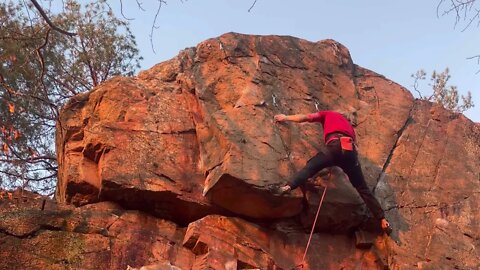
(393, 38)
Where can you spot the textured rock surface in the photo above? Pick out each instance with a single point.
(432, 190)
(202, 124)
(104, 236)
(95, 236)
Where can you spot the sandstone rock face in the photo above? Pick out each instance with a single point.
(431, 189)
(104, 236)
(95, 236)
(202, 123)
(192, 142)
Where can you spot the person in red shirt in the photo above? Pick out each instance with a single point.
(340, 151)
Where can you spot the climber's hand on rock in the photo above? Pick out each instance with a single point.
(280, 117)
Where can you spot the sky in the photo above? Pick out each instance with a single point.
(393, 38)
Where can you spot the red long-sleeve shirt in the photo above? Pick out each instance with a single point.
(332, 122)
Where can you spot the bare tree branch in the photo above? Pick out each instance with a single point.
(47, 20)
(154, 25)
(461, 8)
(46, 99)
(121, 11)
(475, 57)
(475, 17)
(27, 178)
(40, 56)
(28, 14)
(18, 39)
(16, 93)
(39, 159)
(93, 74)
(34, 159)
(420, 75)
(140, 5)
(254, 2)
(478, 61)
(64, 85)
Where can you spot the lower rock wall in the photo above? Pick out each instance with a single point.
(37, 233)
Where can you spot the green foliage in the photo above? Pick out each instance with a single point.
(442, 93)
(40, 69)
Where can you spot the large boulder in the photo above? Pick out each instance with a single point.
(195, 135)
(193, 139)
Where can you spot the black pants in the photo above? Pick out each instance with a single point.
(348, 161)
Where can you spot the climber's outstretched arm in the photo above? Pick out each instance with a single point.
(299, 118)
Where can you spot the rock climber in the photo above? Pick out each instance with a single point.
(340, 151)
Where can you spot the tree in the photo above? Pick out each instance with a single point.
(41, 68)
(466, 13)
(442, 93)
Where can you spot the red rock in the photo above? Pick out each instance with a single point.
(95, 236)
(202, 124)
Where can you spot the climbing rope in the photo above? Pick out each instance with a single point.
(314, 223)
(313, 226)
